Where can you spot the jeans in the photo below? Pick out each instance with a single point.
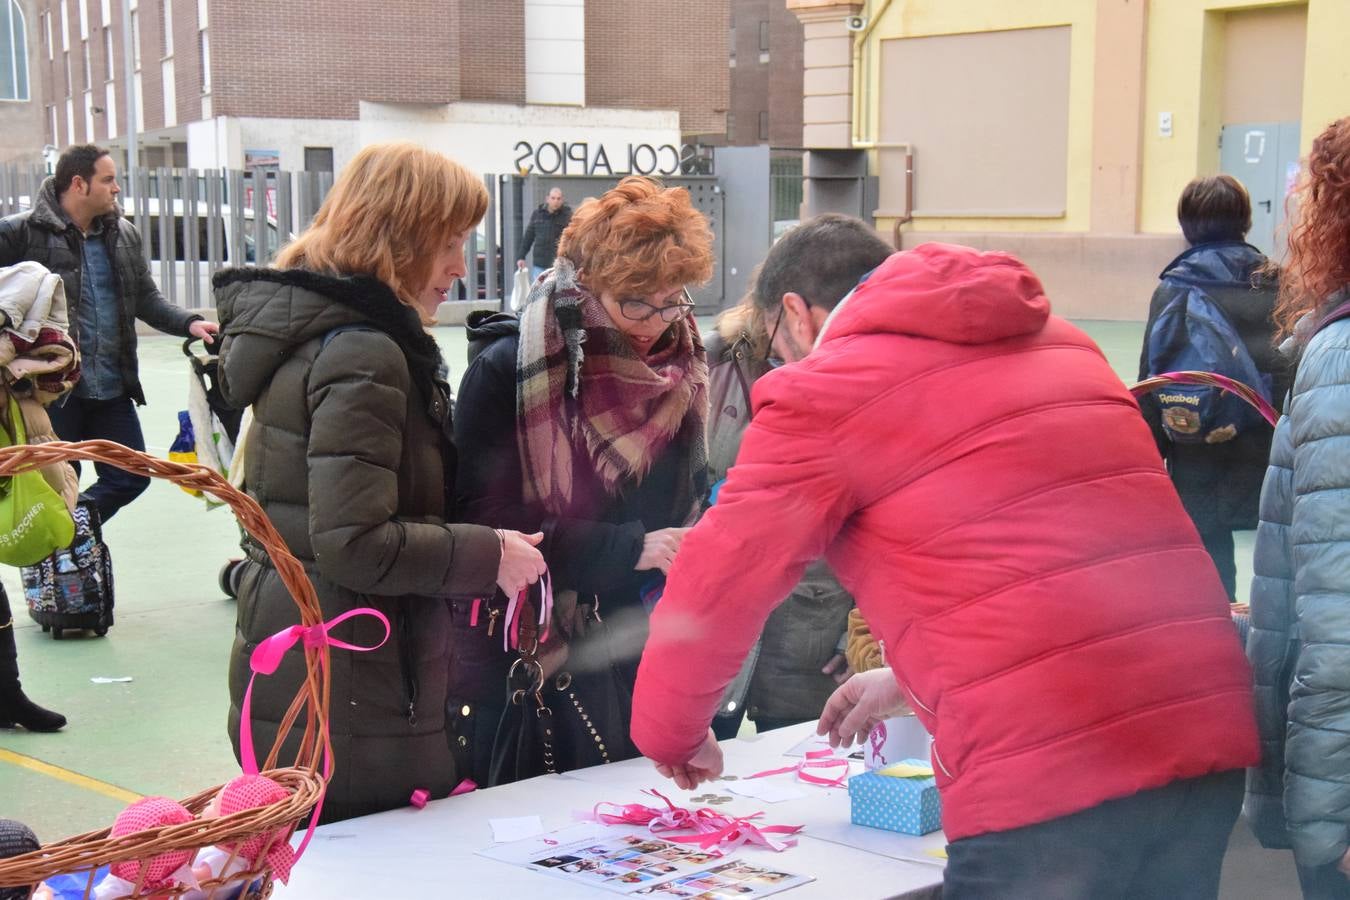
(83, 419)
(1166, 843)
(535, 272)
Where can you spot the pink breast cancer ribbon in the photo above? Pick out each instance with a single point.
(266, 659)
(815, 759)
(511, 629)
(712, 831)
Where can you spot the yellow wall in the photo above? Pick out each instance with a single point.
(923, 18)
(1187, 84)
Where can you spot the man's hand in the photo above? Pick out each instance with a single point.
(858, 705)
(705, 765)
(520, 264)
(837, 668)
(204, 330)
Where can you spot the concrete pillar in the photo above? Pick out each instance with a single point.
(827, 61)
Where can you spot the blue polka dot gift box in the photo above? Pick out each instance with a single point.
(902, 797)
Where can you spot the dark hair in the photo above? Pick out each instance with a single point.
(1214, 208)
(77, 160)
(821, 259)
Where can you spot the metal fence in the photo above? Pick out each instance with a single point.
(194, 223)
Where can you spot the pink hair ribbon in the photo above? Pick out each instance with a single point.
(712, 831)
(815, 759)
(267, 658)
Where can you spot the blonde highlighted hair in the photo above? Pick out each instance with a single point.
(393, 208)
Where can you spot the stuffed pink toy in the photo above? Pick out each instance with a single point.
(247, 792)
(162, 872)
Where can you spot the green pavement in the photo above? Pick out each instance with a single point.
(164, 732)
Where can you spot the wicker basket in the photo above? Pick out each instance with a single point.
(1212, 379)
(87, 852)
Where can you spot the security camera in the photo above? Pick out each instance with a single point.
(855, 23)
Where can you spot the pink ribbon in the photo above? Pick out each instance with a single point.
(266, 659)
(815, 759)
(464, 787)
(712, 831)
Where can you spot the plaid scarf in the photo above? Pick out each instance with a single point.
(621, 409)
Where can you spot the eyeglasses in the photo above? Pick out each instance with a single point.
(641, 310)
(774, 362)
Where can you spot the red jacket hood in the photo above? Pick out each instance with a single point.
(944, 292)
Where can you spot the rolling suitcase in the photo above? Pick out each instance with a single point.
(73, 588)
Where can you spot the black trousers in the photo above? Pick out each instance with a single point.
(1323, 883)
(9, 651)
(1167, 843)
(82, 419)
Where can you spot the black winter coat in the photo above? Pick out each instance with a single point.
(44, 235)
(350, 456)
(592, 550)
(542, 234)
(1220, 484)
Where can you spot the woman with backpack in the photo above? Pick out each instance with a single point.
(1220, 279)
(1300, 637)
(351, 457)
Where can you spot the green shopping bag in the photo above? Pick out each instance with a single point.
(34, 521)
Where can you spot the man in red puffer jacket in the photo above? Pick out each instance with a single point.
(983, 484)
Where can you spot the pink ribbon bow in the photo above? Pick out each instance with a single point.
(266, 659)
(815, 759)
(712, 831)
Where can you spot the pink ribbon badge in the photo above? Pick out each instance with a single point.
(712, 831)
(815, 759)
(266, 659)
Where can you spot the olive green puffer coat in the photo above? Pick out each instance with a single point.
(350, 456)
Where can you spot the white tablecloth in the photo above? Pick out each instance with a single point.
(433, 852)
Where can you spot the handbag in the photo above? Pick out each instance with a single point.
(34, 520)
(568, 705)
(520, 289)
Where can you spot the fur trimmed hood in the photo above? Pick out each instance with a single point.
(47, 212)
(269, 312)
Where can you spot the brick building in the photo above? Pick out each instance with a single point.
(765, 62)
(305, 83)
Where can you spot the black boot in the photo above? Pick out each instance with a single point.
(15, 708)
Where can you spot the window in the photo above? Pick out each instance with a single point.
(52, 135)
(13, 52)
(166, 23)
(86, 70)
(84, 19)
(731, 43)
(105, 7)
(70, 77)
(731, 128)
(763, 37)
(763, 125)
(46, 26)
(109, 59)
(65, 27)
(318, 159)
(202, 20)
(136, 41)
(204, 53)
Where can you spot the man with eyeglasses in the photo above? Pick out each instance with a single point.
(981, 481)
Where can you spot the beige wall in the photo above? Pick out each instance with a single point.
(989, 126)
(1263, 60)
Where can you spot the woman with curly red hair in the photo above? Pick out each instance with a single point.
(584, 419)
(1300, 638)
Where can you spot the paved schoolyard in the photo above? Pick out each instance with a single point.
(164, 732)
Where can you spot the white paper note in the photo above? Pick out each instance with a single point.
(100, 679)
(516, 829)
(770, 791)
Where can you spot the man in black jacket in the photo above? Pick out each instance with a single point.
(546, 226)
(76, 230)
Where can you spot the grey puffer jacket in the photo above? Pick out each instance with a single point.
(1300, 639)
(350, 456)
(44, 235)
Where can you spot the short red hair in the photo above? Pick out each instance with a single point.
(638, 238)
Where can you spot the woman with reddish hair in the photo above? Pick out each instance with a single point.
(1300, 639)
(584, 420)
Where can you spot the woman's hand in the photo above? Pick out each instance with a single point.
(522, 563)
(858, 705)
(659, 549)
